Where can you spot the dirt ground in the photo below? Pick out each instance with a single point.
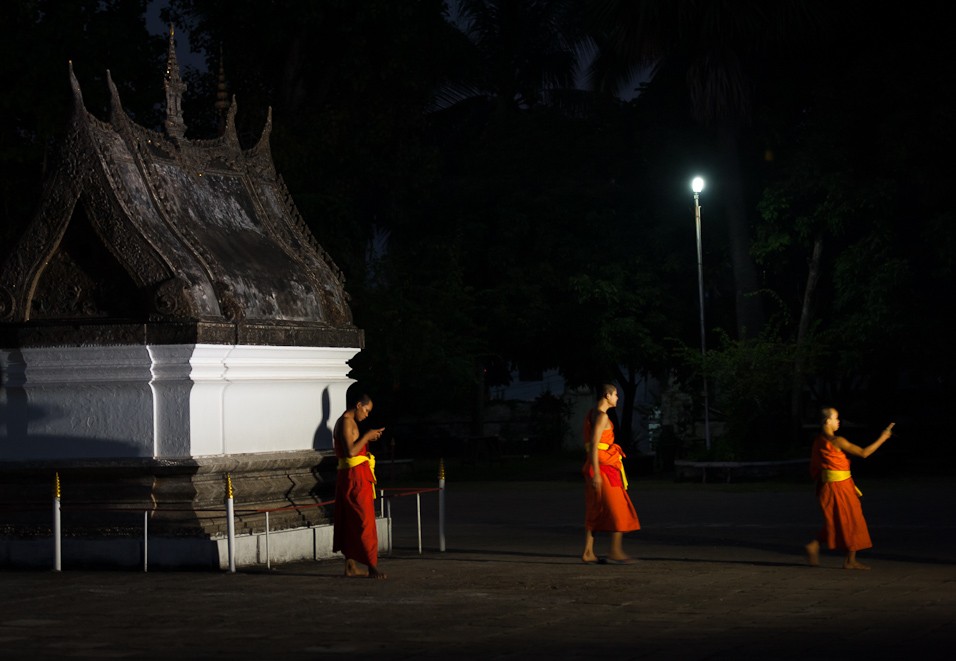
(720, 575)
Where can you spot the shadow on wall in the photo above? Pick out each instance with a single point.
(17, 443)
(12, 399)
(322, 439)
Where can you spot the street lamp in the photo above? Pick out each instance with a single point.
(698, 185)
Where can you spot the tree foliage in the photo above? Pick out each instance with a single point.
(41, 39)
(488, 214)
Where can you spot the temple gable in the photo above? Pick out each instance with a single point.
(197, 238)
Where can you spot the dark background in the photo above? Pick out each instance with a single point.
(496, 207)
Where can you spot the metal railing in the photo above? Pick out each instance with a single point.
(230, 513)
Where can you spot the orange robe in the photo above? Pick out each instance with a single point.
(612, 510)
(354, 532)
(844, 527)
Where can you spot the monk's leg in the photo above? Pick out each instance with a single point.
(588, 555)
(354, 570)
(813, 553)
(852, 563)
(617, 548)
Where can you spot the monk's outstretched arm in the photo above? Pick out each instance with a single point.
(856, 450)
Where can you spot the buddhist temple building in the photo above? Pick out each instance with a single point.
(168, 324)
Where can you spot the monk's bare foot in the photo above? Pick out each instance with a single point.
(855, 564)
(589, 558)
(620, 560)
(353, 570)
(373, 572)
(813, 553)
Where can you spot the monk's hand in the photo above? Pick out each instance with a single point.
(889, 430)
(596, 481)
(377, 433)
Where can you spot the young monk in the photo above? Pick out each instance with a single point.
(843, 524)
(354, 531)
(607, 505)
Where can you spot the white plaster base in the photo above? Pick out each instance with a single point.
(293, 545)
(168, 401)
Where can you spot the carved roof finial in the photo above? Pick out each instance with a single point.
(116, 106)
(229, 126)
(175, 126)
(75, 87)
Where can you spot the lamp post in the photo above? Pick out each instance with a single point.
(698, 185)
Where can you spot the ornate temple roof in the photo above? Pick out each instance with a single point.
(150, 237)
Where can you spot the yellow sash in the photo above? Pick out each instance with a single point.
(620, 464)
(838, 476)
(352, 462)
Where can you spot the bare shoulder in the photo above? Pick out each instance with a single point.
(349, 426)
(839, 442)
(344, 428)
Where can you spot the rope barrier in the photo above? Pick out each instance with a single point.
(411, 491)
(229, 512)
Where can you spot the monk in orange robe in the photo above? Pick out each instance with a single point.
(844, 527)
(607, 505)
(354, 532)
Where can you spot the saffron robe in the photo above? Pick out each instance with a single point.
(844, 527)
(612, 509)
(354, 532)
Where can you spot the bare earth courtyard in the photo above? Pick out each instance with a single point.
(720, 575)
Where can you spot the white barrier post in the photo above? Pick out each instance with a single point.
(268, 557)
(230, 527)
(418, 507)
(145, 539)
(57, 546)
(441, 505)
(387, 514)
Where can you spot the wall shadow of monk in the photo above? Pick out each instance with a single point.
(322, 439)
